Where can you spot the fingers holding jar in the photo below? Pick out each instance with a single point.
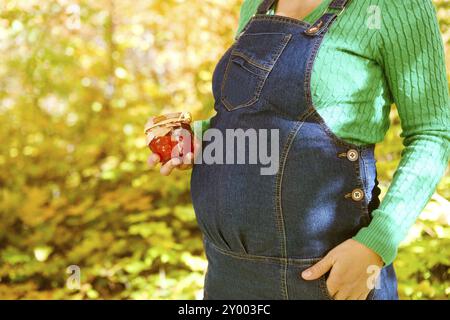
(176, 163)
(184, 163)
(153, 159)
(171, 140)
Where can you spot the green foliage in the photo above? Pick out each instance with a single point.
(78, 80)
(423, 265)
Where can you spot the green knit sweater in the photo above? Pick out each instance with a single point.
(364, 65)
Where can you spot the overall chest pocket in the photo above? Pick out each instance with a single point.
(251, 60)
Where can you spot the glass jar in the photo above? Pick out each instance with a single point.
(170, 135)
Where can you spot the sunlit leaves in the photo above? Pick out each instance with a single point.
(78, 79)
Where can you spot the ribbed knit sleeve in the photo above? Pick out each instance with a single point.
(411, 53)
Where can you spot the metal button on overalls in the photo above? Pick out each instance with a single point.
(260, 231)
(352, 155)
(357, 194)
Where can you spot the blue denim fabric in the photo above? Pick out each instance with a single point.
(260, 231)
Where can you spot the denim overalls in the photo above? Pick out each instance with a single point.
(261, 231)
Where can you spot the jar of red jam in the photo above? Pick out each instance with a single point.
(170, 135)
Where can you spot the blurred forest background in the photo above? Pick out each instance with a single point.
(78, 80)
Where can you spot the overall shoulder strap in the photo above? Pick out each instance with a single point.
(265, 6)
(334, 9)
(338, 4)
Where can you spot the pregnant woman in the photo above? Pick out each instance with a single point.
(324, 74)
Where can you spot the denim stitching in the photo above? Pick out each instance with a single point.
(256, 95)
(361, 178)
(272, 260)
(225, 77)
(282, 19)
(308, 96)
(278, 208)
(261, 82)
(374, 200)
(308, 71)
(267, 259)
(338, 4)
(230, 107)
(249, 60)
(282, 45)
(278, 198)
(262, 33)
(275, 55)
(359, 184)
(244, 29)
(339, 141)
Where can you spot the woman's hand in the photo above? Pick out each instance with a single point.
(166, 169)
(352, 267)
